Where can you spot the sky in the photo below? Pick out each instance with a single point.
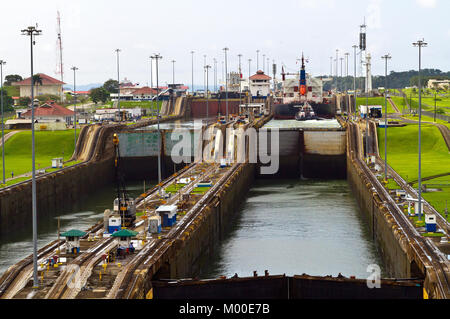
(281, 30)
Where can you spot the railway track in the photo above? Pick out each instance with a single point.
(427, 253)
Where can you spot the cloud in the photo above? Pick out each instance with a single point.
(427, 3)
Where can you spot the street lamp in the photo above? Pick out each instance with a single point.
(331, 66)
(420, 44)
(226, 81)
(207, 67)
(157, 57)
(264, 63)
(118, 85)
(173, 71)
(346, 70)
(74, 68)
(240, 78)
(215, 75)
(337, 71)
(257, 60)
(2, 62)
(32, 32)
(192, 90)
(249, 74)
(354, 79)
(386, 58)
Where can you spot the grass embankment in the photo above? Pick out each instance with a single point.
(133, 104)
(374, 101)
(427, 119)
(438, 199)
(428, 101)
(48, 145)
(403, 157)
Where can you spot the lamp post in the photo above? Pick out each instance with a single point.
(257, 60)
(207, 67)
(386, 58)
(215, 75)
(2, 62)
(331, 66)
(173, 71)
(32, 32)
(74, 68)
(226, 81)
(337, 71)
(354, 78)
(240, 78)
(157, 57)
(192, 90)
(420, 44)
(264, 63)
(151, 74)
(346, 69)
(249, 74)
(118, 85)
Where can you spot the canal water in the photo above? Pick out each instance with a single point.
(294, 227)
(85, 214)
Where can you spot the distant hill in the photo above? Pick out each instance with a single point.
(83, 87)
(396, 80)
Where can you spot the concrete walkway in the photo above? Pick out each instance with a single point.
(7, 136)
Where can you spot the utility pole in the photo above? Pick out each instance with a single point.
(32, 32)
(192, 89)
(2, 62)
(207, 67)
(386, 58)
(420, 44)
(157, 57)
(118, 85)
(74, 68)
(226, 81)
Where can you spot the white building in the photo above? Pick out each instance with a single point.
(260, 85)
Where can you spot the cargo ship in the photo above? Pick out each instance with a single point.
(300, 90)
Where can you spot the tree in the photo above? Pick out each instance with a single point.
(9, 79)
(24, 101)
(8, 102)
(99, 94)
(48, 97)
(112, 86)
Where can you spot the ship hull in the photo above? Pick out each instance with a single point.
(288, 111)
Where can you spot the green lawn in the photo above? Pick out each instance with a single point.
(427, 119)
(400, 103)
(403, 157)
(403, 150)
(48, 145)
(133, 104)
(438, 199)
(374, 101)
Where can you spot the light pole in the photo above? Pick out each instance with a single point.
(264, 62)
(354, 79)
(118, 85)
(173, 71)
(151, 73)
(157, 57)
(74, 68)
(226, 81)
(420, 44)
(204, 75)
(337, 71)
(257, 60)
(207, 67)
(346, 69)
(32, 32)
(2, 62)
(249, 74)
(367, 108)
(192, 90)
(215, 75)
(386, 58)
(331, 66)
(240, 78)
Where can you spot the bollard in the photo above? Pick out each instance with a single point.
(118, 265)
(100, 276)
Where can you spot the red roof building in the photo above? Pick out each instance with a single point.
(49, 85)
(50, 112)
(260, 76)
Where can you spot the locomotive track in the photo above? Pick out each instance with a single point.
(427, 253)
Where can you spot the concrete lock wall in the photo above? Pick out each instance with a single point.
(215, 106)
(212, 224)
(395, 258)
